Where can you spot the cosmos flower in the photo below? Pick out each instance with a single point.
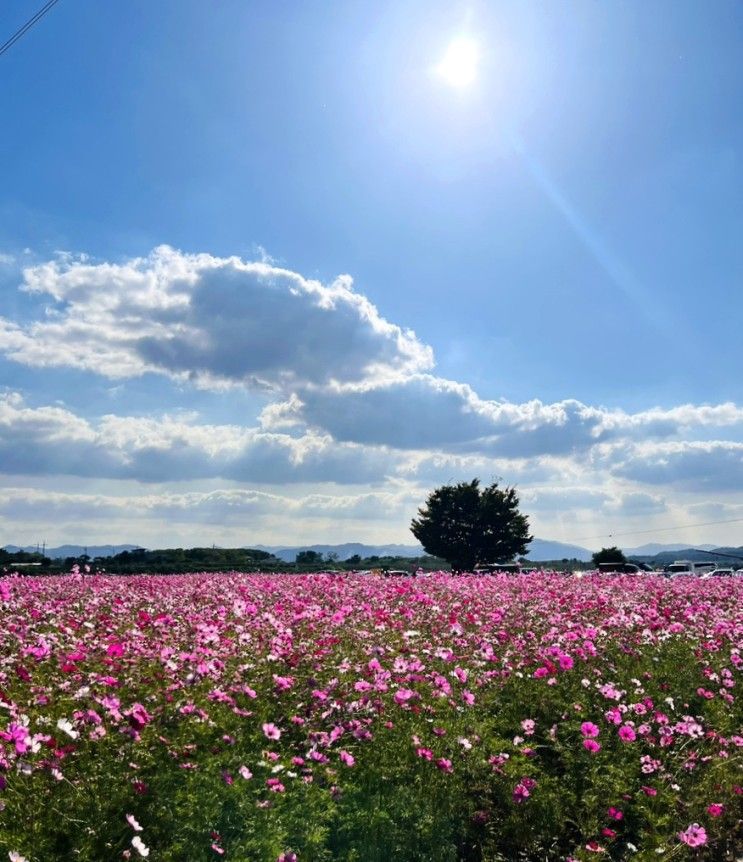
(694, 835)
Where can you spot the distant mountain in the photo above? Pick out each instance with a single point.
(653, 548)
(543, 549)
(75, 550)
(540, 549)
(722, 556)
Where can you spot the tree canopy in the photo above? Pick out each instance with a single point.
(466, 525)
(609, 555)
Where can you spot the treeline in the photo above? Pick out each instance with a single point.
(23, 559)
(183, 560)
(177, 560)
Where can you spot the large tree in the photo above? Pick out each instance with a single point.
(466, 525)
(609, 555)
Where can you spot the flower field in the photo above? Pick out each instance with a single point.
(321, 717)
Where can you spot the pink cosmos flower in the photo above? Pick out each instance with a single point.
(245, 773)
(347, 758)
(138, 716)
(132, 821)
(468, 698)
(715, 809)
(17, 734)
(528, 725)
(615, 813)
(627, 733)
(403, 695)
(270, 731)
(444, 765)
(589, 729)
(591, 745)
(694, 835)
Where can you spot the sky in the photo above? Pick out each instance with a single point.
(270, 273)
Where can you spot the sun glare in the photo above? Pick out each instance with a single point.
(458, 67)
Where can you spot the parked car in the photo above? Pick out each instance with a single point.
(620, 568)
(680, 568)
(718, 573)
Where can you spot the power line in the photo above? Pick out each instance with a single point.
(21, 31)
(659, 530)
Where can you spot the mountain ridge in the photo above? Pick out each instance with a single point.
(540, 550)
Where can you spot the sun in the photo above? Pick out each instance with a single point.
(458, 67)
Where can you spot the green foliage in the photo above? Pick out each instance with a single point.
(309, 558)
(174, 560)
(467, 526)
(609, 555)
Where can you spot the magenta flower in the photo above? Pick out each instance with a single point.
(627, 733)
(589, 729)
(715, 809)
(521, 793)
(444, 764)
(347, 758)
(403, 695)
(591, 745)
(694, 835)
(271, 731)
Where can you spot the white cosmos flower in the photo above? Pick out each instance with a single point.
(16, 857)
(140, 846)
(67, 726)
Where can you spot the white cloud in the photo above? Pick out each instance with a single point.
(353, 400)
(697, 466)
(213, 321)
(324, 352)
(239, 517)
(54, 441)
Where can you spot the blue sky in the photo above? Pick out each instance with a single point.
(562, 236)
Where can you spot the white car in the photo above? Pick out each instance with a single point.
(718, 573)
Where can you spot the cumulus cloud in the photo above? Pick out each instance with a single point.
(331, 360)
(214, 321)
(232, 507)
(353, 397)
(700, 466)
(422, 411)
(54, 441)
